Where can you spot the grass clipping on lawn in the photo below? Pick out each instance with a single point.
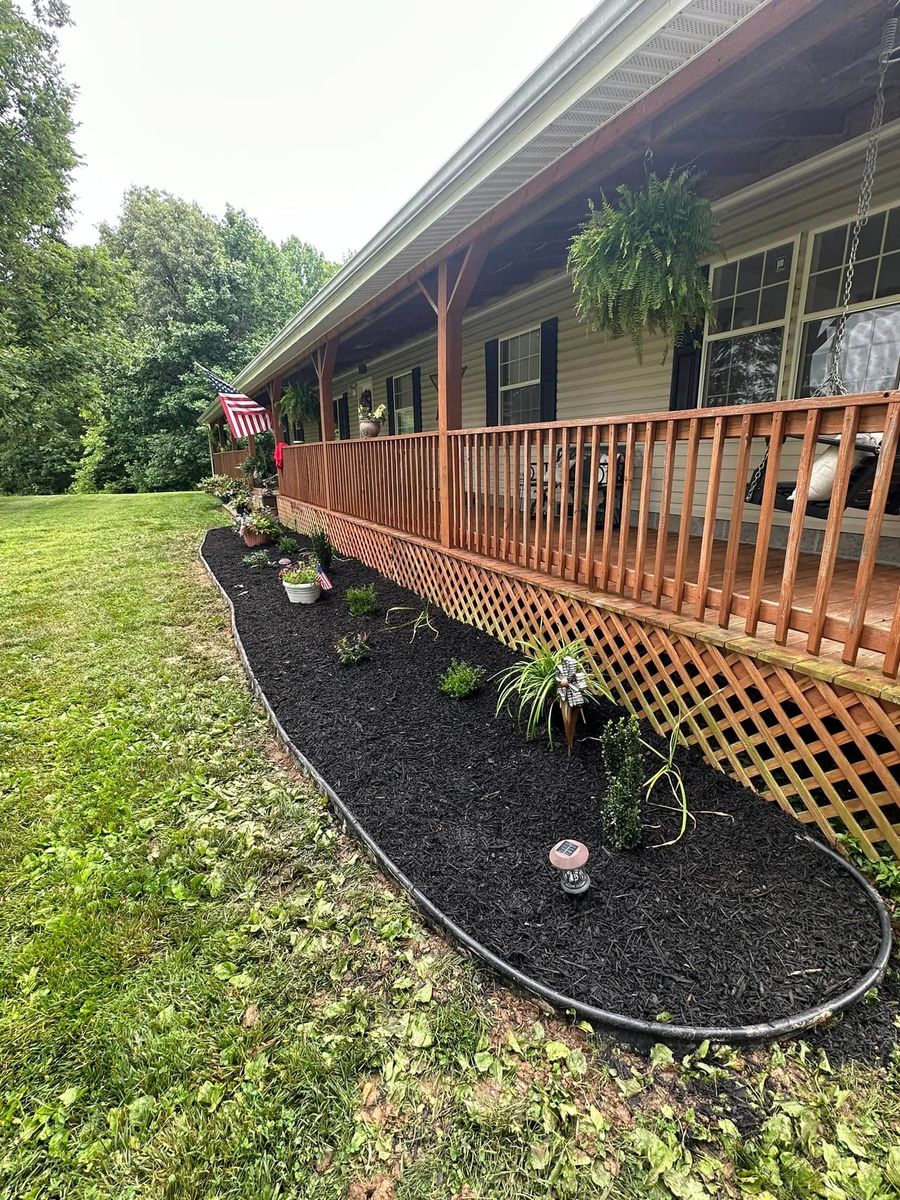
(206, 991)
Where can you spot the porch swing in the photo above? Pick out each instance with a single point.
(868, 445)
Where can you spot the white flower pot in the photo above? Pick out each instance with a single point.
(302, 593)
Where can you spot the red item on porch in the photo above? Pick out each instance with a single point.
(279, 455)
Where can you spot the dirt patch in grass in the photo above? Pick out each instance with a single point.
(741, 921)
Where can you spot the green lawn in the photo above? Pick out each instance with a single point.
(207, 992)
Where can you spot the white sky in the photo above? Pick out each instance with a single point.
(321, 118)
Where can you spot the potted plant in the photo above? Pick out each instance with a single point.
(257, 528)
(635, 265)
(370, 418)
(301, 583)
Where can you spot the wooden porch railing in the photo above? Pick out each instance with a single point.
(652, 508)
(229, 462)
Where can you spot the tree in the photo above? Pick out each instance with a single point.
(58, 305)
(206, 290)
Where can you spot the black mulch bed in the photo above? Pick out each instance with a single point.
(738, 922)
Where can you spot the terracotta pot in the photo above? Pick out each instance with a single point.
(368, 427)
(256, 539)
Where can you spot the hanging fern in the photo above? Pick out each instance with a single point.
(300, 402)
(635, 266)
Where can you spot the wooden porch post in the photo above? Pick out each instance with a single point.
(275, 403)
(323, 361)
(452, 296)
(209, 438)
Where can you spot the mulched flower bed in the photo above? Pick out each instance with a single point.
(738, 922)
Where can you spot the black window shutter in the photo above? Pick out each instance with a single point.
(343, 420)
(685, 389)
(417, 399)
(548, 369)
(492, 382)
(389, 385)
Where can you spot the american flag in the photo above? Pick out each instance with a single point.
(244, 416)
(322, 579)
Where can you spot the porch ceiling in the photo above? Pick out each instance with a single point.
(779, 107)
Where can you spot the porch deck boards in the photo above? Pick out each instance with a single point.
(882, 601)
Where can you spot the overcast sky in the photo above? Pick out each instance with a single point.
(319, 117)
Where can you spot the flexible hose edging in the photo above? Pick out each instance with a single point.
(630, 1029)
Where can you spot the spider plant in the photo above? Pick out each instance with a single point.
(529, 687)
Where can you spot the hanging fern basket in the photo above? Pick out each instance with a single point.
(635, 264)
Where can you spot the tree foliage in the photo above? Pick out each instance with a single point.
(635, 266)
(97, 344)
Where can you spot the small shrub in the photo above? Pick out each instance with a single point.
(288, 545)
(461, 679)
(361, 600)
(620, 744)
(529, 687)
(352, 648)
(322, 547)
(259, 558)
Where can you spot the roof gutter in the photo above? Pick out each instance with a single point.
(586, 40)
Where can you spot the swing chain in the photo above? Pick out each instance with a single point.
(833, 383)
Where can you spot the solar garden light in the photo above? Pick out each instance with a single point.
(569, 858)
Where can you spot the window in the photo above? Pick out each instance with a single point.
(520, 378)
(745, 340)
(870, 360)
(404, 404)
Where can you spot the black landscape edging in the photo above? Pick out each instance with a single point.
(633, 1030)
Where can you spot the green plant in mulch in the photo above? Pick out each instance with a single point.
(530, 690)
(361, 600)
(259, 558)
(352, 648)
(417, 619)
(620, 806)
(461, 679)
(635, 264)
(322, 547)
(288, 545)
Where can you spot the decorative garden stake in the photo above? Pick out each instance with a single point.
(571, 683)
(569, 858)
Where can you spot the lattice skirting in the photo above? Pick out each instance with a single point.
(826, 753)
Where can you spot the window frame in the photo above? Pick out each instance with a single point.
(803, 317)
(411, 407)
(511, 387)
(785, 322)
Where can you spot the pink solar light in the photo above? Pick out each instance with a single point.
(569, 857)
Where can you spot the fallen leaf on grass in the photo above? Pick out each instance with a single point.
(250, 1017)
(324, 1162)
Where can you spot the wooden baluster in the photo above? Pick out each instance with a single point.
(625, 522)
(507, 494)
(874, 520)
(526, 497)
(732, 549)
(795, 533)
(576, 502)
(539, 495)
(665, 508)
(496, 439)
(486, 494)
(764, 527)
(468, 486)
(687, 513)
(640, 552)
(609, 514)
(550, 515)
(592, 500)
(707, 542)
(563, 523)
(834, 521)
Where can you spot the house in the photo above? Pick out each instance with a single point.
(539, 480)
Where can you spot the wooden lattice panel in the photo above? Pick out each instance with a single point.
(825, 753)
